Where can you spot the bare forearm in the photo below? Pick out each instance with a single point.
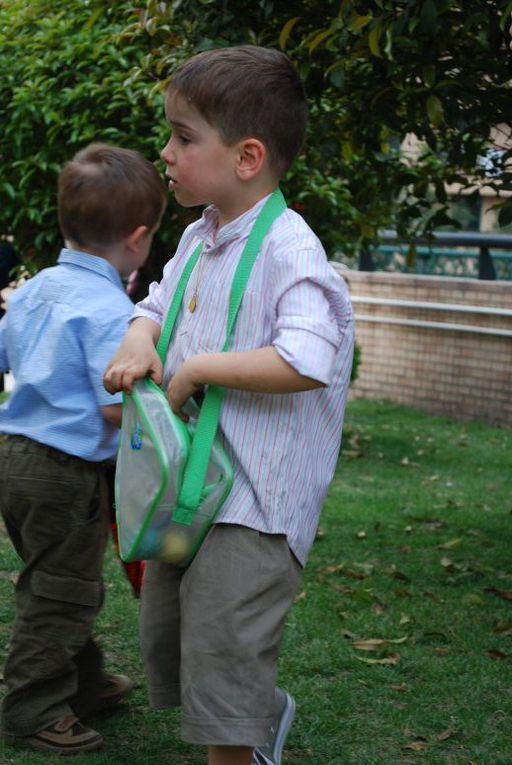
(144, 329)
(262, 371)
(112, 414)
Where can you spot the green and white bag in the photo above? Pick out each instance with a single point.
(173, 477)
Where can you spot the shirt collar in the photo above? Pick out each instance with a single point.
(236, 229)
(91, 263)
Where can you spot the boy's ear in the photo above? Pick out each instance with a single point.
(133, 239)
(252, 154)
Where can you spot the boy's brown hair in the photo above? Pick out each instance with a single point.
(248, 92)
(105, 193)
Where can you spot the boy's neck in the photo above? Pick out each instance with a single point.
(241, 203)
(114, 255)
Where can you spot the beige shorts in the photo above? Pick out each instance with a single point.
(211, 633)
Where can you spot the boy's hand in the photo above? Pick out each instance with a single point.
(135, 359)
(125, 369)
(181, 388)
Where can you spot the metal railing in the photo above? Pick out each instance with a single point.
(437, 309)
(439, 255)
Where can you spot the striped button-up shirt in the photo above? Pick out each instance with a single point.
(283, 447)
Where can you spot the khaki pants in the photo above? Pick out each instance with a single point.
(56, 513)
(211, 633)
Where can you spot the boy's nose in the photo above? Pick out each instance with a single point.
(167, 155)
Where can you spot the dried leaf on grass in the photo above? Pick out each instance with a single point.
(351, 454)
(420, 743)
(446, 734)
(416, 746)
(375, 644)
(342, 571)
(503, 594)
(435, 635)
(400, 688)
(355, 574)
(497, 655)
(504, 629)
(451, 545)
(462, 568)
(392, 658)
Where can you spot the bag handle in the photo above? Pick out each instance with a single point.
(197, 463)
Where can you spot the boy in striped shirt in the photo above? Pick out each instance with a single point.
(210, 634)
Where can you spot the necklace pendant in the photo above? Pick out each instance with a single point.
(193, 304)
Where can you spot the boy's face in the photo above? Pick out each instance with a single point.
(200, 166)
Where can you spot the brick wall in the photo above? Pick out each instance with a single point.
(425, 353)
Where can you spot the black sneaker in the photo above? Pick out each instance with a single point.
(270, 753)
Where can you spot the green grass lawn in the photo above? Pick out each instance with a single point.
(399, 646)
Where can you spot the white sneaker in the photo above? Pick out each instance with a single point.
(270, 753)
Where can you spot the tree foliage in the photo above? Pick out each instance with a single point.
(65, 80)
(376, 71)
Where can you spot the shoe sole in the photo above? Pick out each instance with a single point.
(38, 745)
(284, 729)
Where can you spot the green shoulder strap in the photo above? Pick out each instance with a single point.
(174, 308)
(197, 463)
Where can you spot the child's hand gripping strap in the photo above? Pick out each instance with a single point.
(197, 463)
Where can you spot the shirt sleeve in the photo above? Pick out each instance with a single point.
(312, 314)
(4, 361)
(154, 305)
(100, 344)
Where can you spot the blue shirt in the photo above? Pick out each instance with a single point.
(60, 331)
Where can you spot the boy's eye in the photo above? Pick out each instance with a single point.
(183, 139)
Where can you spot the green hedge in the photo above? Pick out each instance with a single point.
(75, 71)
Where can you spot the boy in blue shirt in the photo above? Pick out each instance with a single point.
(59, 431)
(210, 634)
